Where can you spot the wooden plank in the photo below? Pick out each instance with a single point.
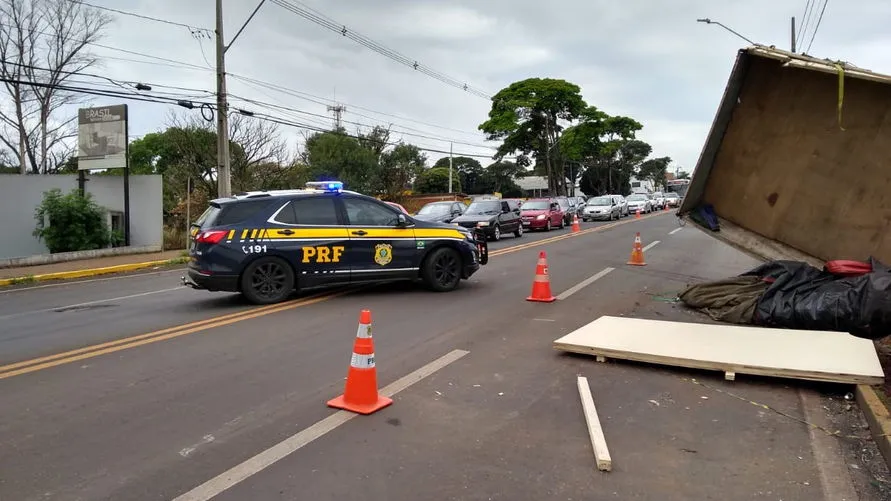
(595, 431)
(812, 355)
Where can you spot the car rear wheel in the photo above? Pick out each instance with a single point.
(267, 280)
(442, 270)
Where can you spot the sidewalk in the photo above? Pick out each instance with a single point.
(88, 267)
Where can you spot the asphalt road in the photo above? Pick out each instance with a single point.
(187, 385)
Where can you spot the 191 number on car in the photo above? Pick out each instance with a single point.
(253, 249)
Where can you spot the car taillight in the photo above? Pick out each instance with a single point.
(211, 236)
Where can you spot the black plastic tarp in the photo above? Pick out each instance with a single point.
(801, 296)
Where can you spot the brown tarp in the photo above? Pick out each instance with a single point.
(731, 300)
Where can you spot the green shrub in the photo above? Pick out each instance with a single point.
(76, 222)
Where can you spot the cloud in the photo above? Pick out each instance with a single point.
(649, 60)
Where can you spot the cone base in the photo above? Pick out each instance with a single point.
(636, 264)
(340, 403)
(542, 299)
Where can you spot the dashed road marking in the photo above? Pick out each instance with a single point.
(277, 452)
(672, 232)
(584, 283)
(651, 245)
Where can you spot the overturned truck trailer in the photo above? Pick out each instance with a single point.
(797, 164)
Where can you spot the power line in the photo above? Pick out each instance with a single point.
(326, 22)
(817, 27)
(194, 30)
(805, 20)
(130, 95)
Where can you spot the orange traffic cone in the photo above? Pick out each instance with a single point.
(637, 256)
(665, 208)
(541, 285)
(361, 395)
(637, 214)
(575, 223)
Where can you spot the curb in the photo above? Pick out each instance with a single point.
(64, 275)
(878, 417)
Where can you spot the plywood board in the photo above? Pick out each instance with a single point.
(595, 431)
(813, 355)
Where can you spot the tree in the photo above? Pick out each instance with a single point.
(436, 180)
(682, 174)
(43, 45)
(607, 149)
(471, 175)
(502, 175)
(72, 222)
(526, 116)
(335, 155)
(398, 169)
(654, 169)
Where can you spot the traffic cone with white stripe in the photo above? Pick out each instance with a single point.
(637, 255)
(541, 285)
(637, 214)
(360, 395)
(575, 223)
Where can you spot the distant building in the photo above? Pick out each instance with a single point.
(642, 185)
(536, 186)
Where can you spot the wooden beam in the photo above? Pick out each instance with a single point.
(598, 441)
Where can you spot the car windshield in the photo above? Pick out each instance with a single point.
(671, 195)
(434, 209)
(536, 205)
(488, 207)
(637, 198)
(600, 201)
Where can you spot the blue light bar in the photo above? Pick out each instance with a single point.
(332, 186)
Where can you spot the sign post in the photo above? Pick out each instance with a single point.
(102, 144)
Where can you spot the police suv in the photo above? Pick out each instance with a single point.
(267, 244)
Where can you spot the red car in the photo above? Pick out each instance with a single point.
(542, 214)
(397, 206)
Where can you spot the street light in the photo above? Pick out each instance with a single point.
(709, 21)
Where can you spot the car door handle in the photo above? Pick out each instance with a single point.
(286, 232)
(360, 232)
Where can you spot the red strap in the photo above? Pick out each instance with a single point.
(848, 268)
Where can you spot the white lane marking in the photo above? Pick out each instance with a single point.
(544, 319)
(672, 232)
(62, 283)
(651, 245)
(281, 450)
(90, 303)
(584, 283)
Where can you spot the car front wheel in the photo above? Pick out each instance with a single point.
(548, 225)
(496, 233)
(519, 232)
(442, 270)
(267, 280)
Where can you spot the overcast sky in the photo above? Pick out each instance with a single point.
(645, 59)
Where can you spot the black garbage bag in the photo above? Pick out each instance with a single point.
(803, 297)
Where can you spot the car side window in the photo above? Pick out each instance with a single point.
(362, 212)
(313, 211)
(456, 207)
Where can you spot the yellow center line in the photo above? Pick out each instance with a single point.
(155, 336)
(36, 364)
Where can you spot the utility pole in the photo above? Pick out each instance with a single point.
(450, 167)
(793, 34)
(338, 110)
(224, 187)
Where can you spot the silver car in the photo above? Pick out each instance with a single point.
(622, 203)
(604, 207)
(639, 202)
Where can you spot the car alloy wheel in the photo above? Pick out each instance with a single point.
(443, 272)
(267, 280)
(496, 235)
(548, 225)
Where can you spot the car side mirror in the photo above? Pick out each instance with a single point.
(401, 220)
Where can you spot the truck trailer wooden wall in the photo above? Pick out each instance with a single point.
(778, 164)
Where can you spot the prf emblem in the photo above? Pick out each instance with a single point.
(322, 254)
(383, 254)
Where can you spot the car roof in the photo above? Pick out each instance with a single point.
(274, 194)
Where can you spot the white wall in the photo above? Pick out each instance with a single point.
(20, 196)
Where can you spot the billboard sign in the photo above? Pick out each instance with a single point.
(102, 137)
